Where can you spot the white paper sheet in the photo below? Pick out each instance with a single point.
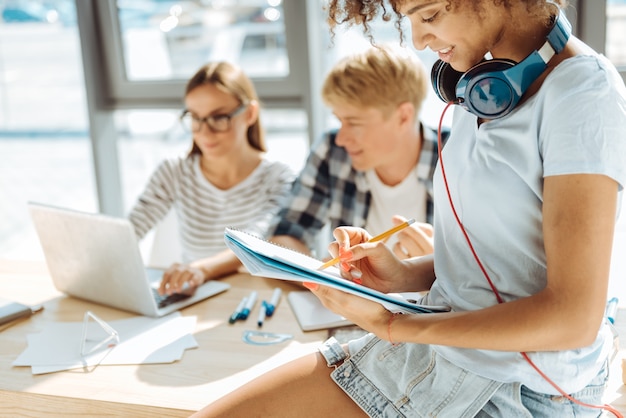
(142, 340)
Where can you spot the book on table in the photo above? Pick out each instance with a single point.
(266, 259)
(311, 314)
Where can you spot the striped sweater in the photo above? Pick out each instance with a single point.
(203, 210)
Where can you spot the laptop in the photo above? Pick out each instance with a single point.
(96, 257)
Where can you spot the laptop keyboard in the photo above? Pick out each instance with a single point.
(165, 300)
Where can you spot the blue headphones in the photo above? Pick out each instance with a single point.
(492, 88)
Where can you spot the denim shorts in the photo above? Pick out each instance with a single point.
(412, 380)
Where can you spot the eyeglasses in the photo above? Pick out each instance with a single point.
(97, 341)
(216, 123)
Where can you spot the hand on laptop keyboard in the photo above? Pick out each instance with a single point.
(181, 279)
(164, 300)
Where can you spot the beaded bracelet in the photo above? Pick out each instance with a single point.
(391, 318)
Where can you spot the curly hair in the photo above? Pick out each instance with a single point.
(363, 12)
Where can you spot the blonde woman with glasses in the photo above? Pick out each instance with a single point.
(224, 180)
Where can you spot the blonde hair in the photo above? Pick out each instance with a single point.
(232, 80)
(382, 77)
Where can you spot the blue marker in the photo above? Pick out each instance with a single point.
(271, 307)
(261, 317)
(249, 305)
(237, 313)
(611, 309)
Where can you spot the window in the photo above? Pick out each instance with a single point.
(44, 143)
(150, 47)
(615, 30)
(166, 39)
(602, 25)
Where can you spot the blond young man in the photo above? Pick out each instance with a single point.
(376, 170)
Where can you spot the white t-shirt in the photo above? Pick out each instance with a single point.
(407, 199)
(576, 123)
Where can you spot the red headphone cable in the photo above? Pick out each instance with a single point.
(605, 407)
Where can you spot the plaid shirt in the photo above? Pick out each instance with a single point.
(329, 190)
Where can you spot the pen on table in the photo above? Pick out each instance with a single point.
(262, 311)
(248, 305)
(271, 307)
(235, 316)
(611, 309)
(379, 237)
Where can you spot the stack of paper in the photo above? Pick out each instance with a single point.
(142, 340)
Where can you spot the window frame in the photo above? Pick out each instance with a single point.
(274, 92)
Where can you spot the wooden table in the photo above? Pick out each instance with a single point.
(221, 363)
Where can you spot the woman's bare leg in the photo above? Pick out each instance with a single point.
(300, 388)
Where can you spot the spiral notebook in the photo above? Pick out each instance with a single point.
(266, 259)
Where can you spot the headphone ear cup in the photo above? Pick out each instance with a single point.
(486, 91)
(487, 66)
(444, 79)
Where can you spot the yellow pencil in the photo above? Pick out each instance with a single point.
(379, 237)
